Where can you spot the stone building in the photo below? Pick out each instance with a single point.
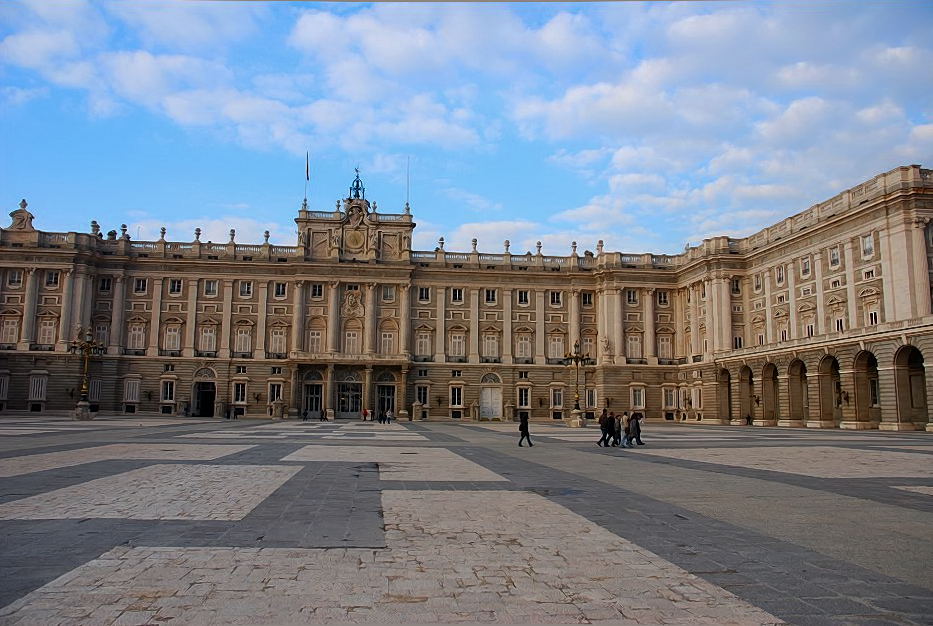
(822, 320)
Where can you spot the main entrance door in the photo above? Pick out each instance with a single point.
(349, 400)
(204, 394)
(490, 403)
(385, 399)
(313, 400)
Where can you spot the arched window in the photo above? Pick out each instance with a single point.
(491, 378)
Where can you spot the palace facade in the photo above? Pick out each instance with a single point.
(822, 320)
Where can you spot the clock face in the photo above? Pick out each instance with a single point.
(354, 239)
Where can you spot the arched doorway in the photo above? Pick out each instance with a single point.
(867, 392)
(490, 397)
(313, 396)
(797, 394)
(746, 393)
(724, 394)
(385, 393)
(349, 401)
(830, 392)
(910, 388)
(769, 395)
(204, 393)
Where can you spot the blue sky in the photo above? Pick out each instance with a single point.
(644, 124)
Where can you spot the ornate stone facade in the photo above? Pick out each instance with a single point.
(822, 320)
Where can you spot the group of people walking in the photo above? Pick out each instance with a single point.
(383, 417)
(622, 430)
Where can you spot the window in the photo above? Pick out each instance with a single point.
(810, 330)
(210, 287)
(422, 372)
(555, 346)
(93, 391)
(806, 291)
(757, 282)
(490, 345)
(834, 256)
(523, 346)
(737, 343)
(277, 341)
(424, 294)
(243, 341)
(456, 344)
(524, 397)
(523, 374)
(246, 288)
(423, 344)
(557, 397)
(208, 339)
(105, 284)
(456, 294)
(168, 391)
(555, 298)
(665, 350)
(840, 325)
(590, 395)
(873, 318)
(589, 345)
(388, 293)
(587, 298)
(10, 333)
(761, 339)
(239, 392)
(835, 284)
(136, 337)
(46, 332)
(638, 398)
(131, 390)
(633, 345)
(456, 396)
(873, 392)
(669, 398)
(421, 394)
(662, 298)
(387, 343)
(779, 274)
(351, 342)
(523, 296)
(490, 296)
(240, 369)
(736, 286)
(168, 367)
(631, 296)
(456, 373)
(783, 334)
(275, 391)
(868, 274)
(317, 291)
(781, 299)
(279, 290)
(275, 371)
(172, 339)
(174, 286)
(140, 285)
(14, 278)
(314, 341)
(51, 278)
(868, 245)
(805, 266)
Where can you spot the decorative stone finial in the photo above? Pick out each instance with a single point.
(506, 245)
(407, 208)
(265, 237)
(197, 234)
(337, 207)
(23, 204)
(232, 234)
(304, 204)
(123, 234)
(538, 247)
(599, 247)
(573, 247)
(473, 242)
(375, 208)
(440, 243)
(162, 234)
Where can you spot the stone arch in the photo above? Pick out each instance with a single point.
(797, 393)
(724, 394)
(830, 386)
(385, 377)
(867, 390)
(770, 393)
(205, 373)
(313, 375)
(491, 379)
(910, 387)
(746, 393)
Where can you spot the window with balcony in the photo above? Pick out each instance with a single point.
(208, 339)
(277, 341)
(387, 343)
(136, 337)
(523, 346)
(456, 345)
(172, 338)
(46, 335)
(351, 342)
(243, 340)
(491, 345)
(633, 346)
(555, 345)
(10, 332)
(423, 344)
(314, 341)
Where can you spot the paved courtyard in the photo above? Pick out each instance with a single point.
(155, 521)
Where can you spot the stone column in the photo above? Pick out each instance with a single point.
(369, 320)
(792, 302)
(474, 326)
(116, 315)
(851, 300)
(65, 331)
(713, 321)
(814, 417)
(28, 336)
(404, 319)
(849, 418)
(155, 318)
(77, 304)
(88, 303)
(506, 326)
(333, 322)
(440, 339)
(574, 311)
(769, 312)
(402, 400)
(710, 323)
(191, 322)
(540, 355)
(677, 304)
(651, 342)
(368, 389)
(759, 408)
(259, 352)
(820, 295)
(226, 320)
(747, 312)
(725, 307)
(695, 322)
(617, 321)
(784, 416)
(921, 270)
(298, 316)
(328, 400)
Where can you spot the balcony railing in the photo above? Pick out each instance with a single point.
(211, 354)
(242, 355)
(276, 355)
(41, 347)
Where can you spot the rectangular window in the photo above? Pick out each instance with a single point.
(275, 371)
(277, 341)
(240, 369)
(140, 285)
(14, 278)
(589, 346)
(168, 367)
(638, 398)
(834, 256)
(665, 350)
(275, 391)
(10, 332)
(93, 390)
(490, 296)
(524, 397)
(51, 278)
(590, 395)
(737, 342)
(422, 373)
(810, 330)
(557, 397)
(246, 288)
(46, 332)
(523, 374)
(351, 343)
(456, 396)
(781, 299)
(835, 284)
(208, 341)
(131, 390)
(172, 339)
(783, 334)
(761, 339)
(279, 290)
(174, 286)
(669, 398)
(456, 344)
(779, 274)
(873, 392)
(456, 294)
(587, 298)
(523, 346)
(4, 386)
(806, 291)
(555, 346)
(387, 343)
(317, 291)
(555, 298)
(491, 345)
(388, 293)
(168, 390)
(757, 282)
(633, 343)
(868, 274)
(840, 325)
(523, 296)
(421, 394)
(243, 341)
(105, 284)
(662, 298)
(423, 344)
(868, 245)
(736, 286)
(873, 318)
(456, 373)
(239, 392)
(631, 296)
(314, 341)
(424, 294)
(210, 287)
(136, 337)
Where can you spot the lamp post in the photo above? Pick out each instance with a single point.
(85, 345)
(576, 359)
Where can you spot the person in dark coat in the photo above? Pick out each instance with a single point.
(636, 429)
(605, 425)
(523, 429)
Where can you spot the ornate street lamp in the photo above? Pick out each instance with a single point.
(85, 345)
(576, 359)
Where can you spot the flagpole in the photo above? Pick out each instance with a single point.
(307, 174)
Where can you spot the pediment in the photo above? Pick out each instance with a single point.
(868, 292)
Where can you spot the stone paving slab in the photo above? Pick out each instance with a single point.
(14, 466)
(925, 490)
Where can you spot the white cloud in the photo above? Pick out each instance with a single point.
(190, 25)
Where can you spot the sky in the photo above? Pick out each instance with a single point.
(646, 125)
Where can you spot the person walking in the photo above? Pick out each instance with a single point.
(604, 421)
(363, 414)
(389, 416)
(626, 430)
(616, 430)
(523, 429)
(636, 429)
